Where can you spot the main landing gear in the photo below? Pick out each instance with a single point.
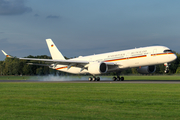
(118, 78)
(94, 78)
(98, 78)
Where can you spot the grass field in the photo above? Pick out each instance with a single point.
(130, 77)
(54, 101)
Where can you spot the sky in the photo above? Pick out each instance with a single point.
(85, 27)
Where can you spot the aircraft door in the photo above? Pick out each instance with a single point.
(127, 55)
(154, 52)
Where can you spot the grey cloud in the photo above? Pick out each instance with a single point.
(13, 7)
(3, 41)
(53, 16)
(36, 15)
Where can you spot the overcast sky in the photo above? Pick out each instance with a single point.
(85, 27)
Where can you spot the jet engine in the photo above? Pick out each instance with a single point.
(147, 69)
(97, 68)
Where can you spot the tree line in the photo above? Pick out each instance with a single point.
(15, 66)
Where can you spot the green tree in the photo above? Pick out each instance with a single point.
(134, 70)
(8, 66)
(15, 66)
(39, 71)
(160, 69)
(26, 70)
(178, 70)
(1, 67)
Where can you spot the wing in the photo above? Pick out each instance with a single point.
(62, 62)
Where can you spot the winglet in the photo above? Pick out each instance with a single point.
(6, 54)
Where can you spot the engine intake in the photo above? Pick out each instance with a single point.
(147, 69)
(97, 68)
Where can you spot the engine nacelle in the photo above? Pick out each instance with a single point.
(97, 68)
(147, 69)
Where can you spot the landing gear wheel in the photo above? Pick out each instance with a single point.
(98, 78)
(122, 78)
(114, 78)
(118, 78)
(94, 78)
(166, 71)
(90, 78)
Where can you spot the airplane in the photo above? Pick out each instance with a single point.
(144, 59)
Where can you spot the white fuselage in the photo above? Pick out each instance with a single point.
(124, 59)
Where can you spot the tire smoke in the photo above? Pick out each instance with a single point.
(68, 78)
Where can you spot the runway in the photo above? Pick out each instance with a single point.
(102, 81)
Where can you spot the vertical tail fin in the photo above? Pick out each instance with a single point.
(55, 53)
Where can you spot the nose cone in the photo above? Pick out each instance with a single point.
(173, 57)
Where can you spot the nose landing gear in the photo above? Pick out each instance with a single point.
(167, 67)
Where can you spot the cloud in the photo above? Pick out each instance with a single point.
(53, 16)
(36, 15)
(13, 7)
(3, 41)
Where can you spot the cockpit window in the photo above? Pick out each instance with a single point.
(168, 51)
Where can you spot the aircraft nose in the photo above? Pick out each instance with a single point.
(174, 57)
